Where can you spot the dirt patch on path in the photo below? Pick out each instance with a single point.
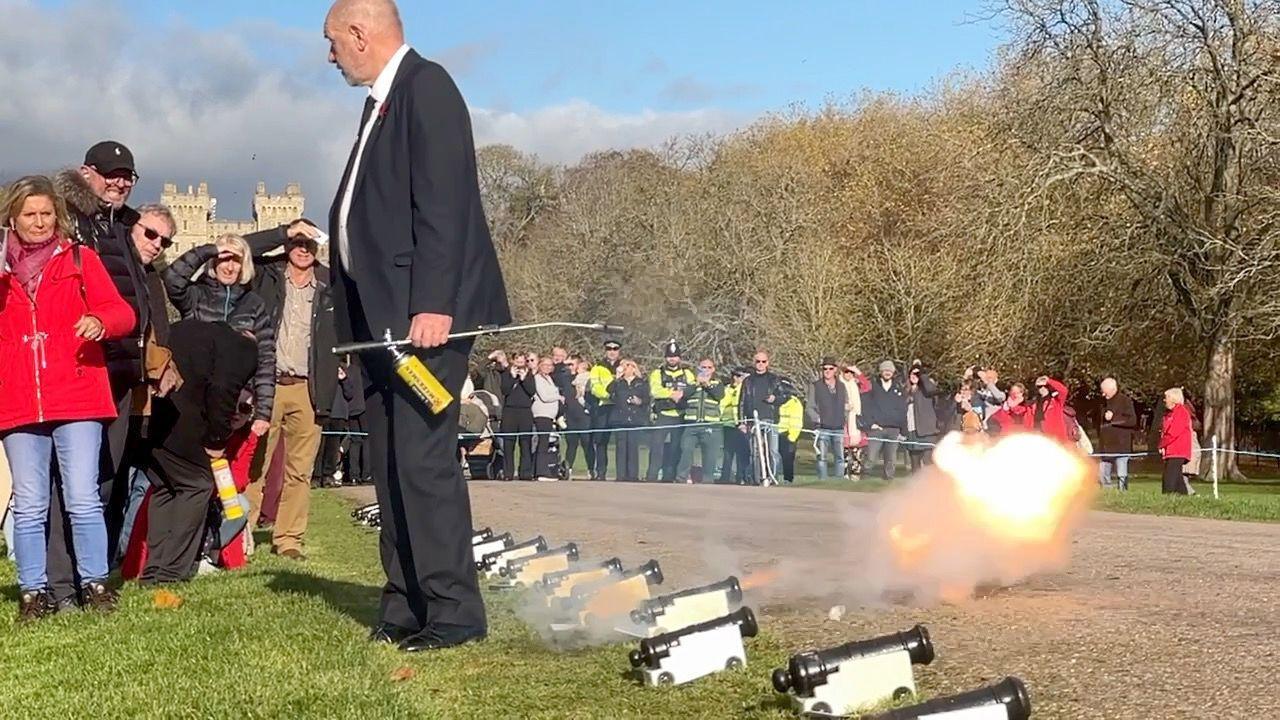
(1157, 617)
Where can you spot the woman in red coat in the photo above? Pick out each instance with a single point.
(1050, 409)
(1014, 415)
(56, 304)
(1175, 441)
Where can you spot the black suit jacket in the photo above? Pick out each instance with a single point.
(419, 242)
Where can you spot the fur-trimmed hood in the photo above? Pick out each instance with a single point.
(81, 201)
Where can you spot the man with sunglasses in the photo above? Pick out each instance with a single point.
(827, 406)
(295, 287)
(761, 396)
(97, 194)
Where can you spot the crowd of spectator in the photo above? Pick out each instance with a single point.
(115, 419)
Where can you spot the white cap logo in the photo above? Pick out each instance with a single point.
(117, 151)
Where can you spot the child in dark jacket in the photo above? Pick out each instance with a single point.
(630, 393)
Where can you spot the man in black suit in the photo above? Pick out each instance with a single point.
(414, 257)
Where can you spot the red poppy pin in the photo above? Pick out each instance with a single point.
(382, 111)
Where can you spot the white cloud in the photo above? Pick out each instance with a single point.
(564, 133)
(203, 105)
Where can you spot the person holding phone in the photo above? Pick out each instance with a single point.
(702, 417)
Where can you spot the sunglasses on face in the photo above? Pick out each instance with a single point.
(762, 362)
(828, 367)
(152, 235)
(126, 177)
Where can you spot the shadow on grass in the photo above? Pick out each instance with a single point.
(355, 600)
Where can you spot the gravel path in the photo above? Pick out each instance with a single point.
(1157, 617)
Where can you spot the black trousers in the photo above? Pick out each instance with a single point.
(736, 451)
(662, 456)
(177, 516)
(787, 450)
(517, 420)
(920, 455)
(575, 439)
(545, 461)
(331, 446)
(601, 422)
(628, 455)
(1172, 482)
(121, 437)
(425, 540)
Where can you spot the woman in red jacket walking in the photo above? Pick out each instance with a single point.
(1175, 441)
(56, 304)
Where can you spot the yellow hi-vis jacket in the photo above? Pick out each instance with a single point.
(791, 418)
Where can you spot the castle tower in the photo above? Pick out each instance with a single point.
(191, 211)
(275, 210)
(199, 221)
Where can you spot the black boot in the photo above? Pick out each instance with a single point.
(96, 596)
(35, 604)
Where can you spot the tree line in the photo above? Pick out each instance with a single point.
(1105, 199)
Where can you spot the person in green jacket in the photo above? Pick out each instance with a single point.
(600, 407)
(702, 405)
(790, 423)
(668, 387)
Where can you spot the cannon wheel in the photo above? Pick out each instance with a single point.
(666, 679)
(733, 663)
(902, 692)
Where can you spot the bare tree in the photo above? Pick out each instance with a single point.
(1175, 105)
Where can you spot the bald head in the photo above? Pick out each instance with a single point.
(363, 35)
(1109, 387)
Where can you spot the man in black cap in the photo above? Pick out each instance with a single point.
(97, 194)
(667, 387)
(600, 406)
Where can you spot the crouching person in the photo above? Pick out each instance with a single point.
(57, 304)
(190, 428)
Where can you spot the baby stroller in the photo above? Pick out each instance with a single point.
(854, 454)
(480, 451)
(560, 469)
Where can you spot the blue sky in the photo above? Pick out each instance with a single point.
(236, 91)
(745, 56)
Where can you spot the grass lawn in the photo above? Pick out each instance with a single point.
(286, 640)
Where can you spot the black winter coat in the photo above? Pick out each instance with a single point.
(922, 403)
(215, 362)
(627, 414)
(517, 393)
(208, 300)
(886, 408)
(270, 281)
(107, 232)
(1116, 436)
(754, 397)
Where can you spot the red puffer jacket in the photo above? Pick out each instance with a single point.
(1175, 435)
(47, 374)
(1055, 421)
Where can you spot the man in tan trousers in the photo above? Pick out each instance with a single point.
(295, 287)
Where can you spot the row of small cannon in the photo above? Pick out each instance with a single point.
(699, 631)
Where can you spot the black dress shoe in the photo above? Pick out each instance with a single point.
(442, 635)
(390, 634)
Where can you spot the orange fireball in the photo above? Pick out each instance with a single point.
(985, 512)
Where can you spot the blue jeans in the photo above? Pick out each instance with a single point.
(30, 450)
(829, 441)
(138, 485)
(1121, 469)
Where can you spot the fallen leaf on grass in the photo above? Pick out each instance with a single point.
(403, 673)
(166, 600)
